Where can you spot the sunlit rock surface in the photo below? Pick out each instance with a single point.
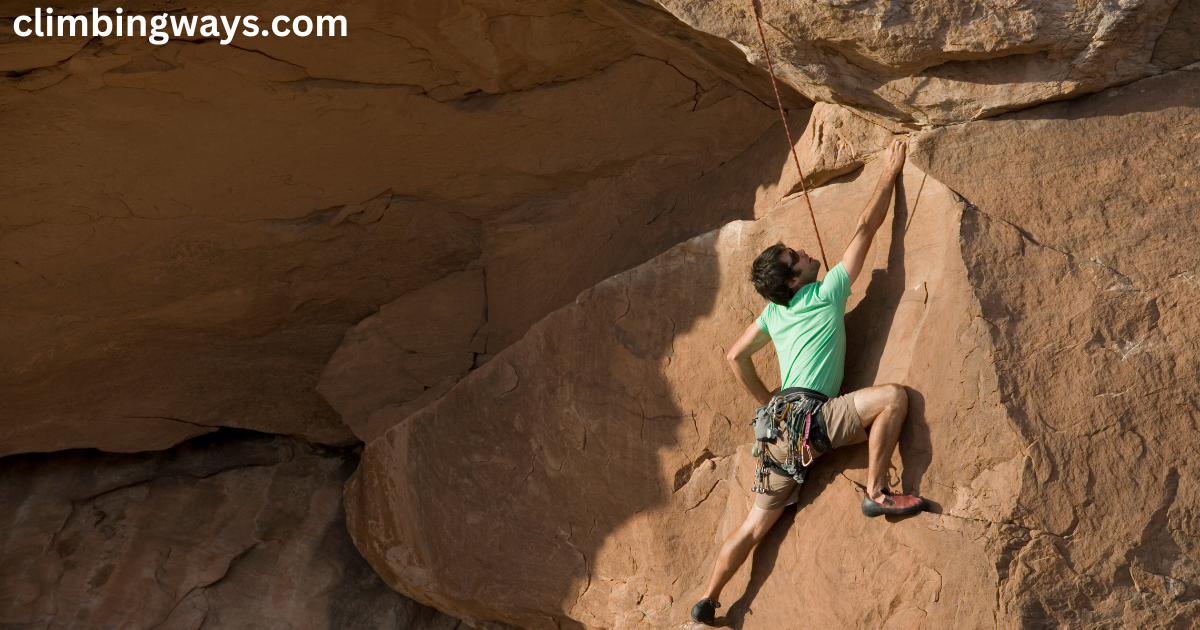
(1083, 253)
(942, 62)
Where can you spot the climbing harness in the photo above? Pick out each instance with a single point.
(795, 416)
(786, 130)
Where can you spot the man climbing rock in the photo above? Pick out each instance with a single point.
(803, 420)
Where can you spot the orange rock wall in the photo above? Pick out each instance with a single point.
(940, 63)
(1081, 248)
(190, 229)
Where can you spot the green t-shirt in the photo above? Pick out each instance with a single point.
(810, 333)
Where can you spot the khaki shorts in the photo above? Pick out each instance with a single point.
(845, 428)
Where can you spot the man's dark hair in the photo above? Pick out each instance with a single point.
(770, 275)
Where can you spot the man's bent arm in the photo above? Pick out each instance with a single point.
(872, 216)
(739, 357)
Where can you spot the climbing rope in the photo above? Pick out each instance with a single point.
(791, 145)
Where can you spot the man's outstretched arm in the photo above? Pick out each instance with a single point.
(872, 216)
(739, 357)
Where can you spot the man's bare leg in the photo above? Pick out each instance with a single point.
(882, 409)
(737, 547)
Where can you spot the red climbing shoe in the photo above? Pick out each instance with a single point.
(893, 504)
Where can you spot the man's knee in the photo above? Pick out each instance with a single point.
(897, 396)
(871, 402)
(759, 521)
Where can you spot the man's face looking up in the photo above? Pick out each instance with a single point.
(803, 266)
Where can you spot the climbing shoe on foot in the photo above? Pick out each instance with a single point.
(705, 611)
(893, 504)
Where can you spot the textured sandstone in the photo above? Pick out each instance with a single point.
(942, 62)
(1082, 248)
(836, 141)
(243, 532)
(189, 230)
(595, 465)
(421, 342)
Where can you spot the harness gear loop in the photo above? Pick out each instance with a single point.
(760, 472)
(786, 130)
(781, 419)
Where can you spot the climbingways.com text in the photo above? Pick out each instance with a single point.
(158, 29)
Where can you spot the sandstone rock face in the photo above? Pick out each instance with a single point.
(593, 468)
(836, 141)
(241, 532)
(937, 63)
(416, 346)
(1083, 253)
(190, 229)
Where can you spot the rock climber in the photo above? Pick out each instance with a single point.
(805, 419)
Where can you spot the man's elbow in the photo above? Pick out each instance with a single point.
(734, 357)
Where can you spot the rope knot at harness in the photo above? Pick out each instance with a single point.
(791, 144)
